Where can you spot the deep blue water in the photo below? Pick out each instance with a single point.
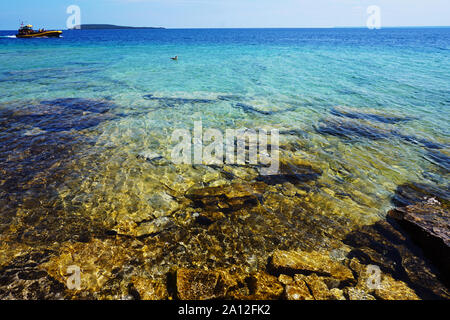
(424, 38)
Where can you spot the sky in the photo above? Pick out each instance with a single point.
(225, 13)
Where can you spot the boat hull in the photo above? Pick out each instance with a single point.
(44, 34)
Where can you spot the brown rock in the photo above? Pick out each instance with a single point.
(337, 294)
(155, 226)
(229, 198)
(428, 223)
(412, 193)
(358, 294)
(391, 289)
(331, 283)
(150, 289)
(422, 276)
(318, 288)
(22, 279)
(218, 284)
(355, 265)
(381, 244)
(209, 217)
(298, 290)
(284, 279)
(98, 262)
(362, 275)
(293, 171)
(301, 261)
(199, 285)
(265, 287)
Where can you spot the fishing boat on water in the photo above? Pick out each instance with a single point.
(28, 32)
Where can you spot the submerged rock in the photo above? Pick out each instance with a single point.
(254, 110)
(356, 114)
(387, 247)
(163, 204)
(57, 115)
(173, 101)
(412, 193)
(228, 198)
(312, 287)
(285, 279)
(428, 223)
(100, 262)
(150, 289)
(337, 294)
(149, 156)
(23, 279)
(153, 227)
(295, 172)
(230, 97)
(381, 286)
(264, 286)
(317, 287)
(423, 212)
(440, 159)
(358, 294)
(80, 104)
(295, 132)
(419, 141)
(351, 129)
(250, 109)
(219, 284)
(298, 290)
(309, 262)
(33, 166)
(391, 289)
(200, 284)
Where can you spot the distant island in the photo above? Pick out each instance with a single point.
(109, 26)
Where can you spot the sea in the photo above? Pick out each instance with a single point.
(86, 139)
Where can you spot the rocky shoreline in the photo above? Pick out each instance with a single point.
(108, 272)
(311, 276)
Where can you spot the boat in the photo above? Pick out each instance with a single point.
(28, 32)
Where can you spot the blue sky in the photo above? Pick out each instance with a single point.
(225, 13)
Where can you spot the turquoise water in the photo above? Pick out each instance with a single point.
(307, 72)
(369, 110)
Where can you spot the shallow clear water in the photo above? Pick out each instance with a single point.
(369, 110)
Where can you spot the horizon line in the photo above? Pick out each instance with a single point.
(206, 28)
